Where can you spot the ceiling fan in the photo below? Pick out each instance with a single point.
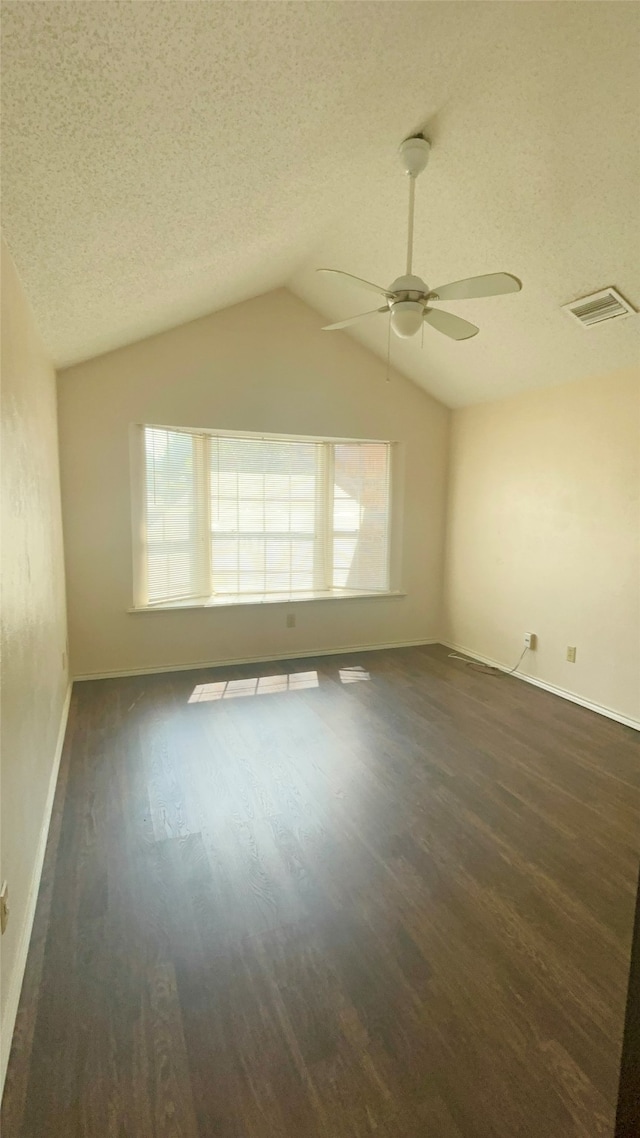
(408, 299)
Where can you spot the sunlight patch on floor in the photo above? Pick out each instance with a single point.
(353, 675)
(255, 685)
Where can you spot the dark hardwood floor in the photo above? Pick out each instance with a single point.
(385, 896)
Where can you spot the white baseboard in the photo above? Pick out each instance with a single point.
(553, 688)
(296, 654)
(15, 984)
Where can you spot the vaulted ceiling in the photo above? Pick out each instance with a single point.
(163, 160)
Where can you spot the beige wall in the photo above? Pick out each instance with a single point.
(543, 535)
(264, 365)
(34, 679)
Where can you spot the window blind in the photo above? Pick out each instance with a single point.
(266, 516)
(171, 514)
(360, 515)
(225, 515)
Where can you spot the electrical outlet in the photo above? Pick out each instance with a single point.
(571, 655)
(291, 620)
(4, 906)
(530, 640)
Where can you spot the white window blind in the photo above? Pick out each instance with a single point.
(360, 515)
(266, 505)
(171, 514)
(229, 516)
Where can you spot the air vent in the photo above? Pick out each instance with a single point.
(604, 305)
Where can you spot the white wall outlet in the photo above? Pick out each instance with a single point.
(571, 655)
(291, 620)
(530, 640)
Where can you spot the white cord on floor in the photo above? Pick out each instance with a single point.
(489, 669)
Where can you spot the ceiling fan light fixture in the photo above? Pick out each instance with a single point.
(406, 318)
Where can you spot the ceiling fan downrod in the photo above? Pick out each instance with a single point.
(414, 155)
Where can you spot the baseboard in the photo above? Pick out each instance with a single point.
(15, 985)
(553, 688)
(297, 654)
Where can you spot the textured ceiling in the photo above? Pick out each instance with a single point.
(163, 160)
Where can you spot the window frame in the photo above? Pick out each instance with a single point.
(207, 598)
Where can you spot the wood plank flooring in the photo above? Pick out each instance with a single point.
(376, 896)
(628, 1111)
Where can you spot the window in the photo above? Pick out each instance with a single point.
(221, 518)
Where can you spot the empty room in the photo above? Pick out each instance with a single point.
(320, 569)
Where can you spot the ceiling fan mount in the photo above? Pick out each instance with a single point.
(414, 154)
(408, 298)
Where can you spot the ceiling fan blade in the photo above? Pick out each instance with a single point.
(492, 284)
(365, 284)
(453, 326)
(354, 319)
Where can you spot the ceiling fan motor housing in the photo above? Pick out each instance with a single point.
(409, 288)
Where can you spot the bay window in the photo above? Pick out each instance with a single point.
(222, 518)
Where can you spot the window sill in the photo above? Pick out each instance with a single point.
(230, 601)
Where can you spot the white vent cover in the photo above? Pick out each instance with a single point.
(604, 305)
